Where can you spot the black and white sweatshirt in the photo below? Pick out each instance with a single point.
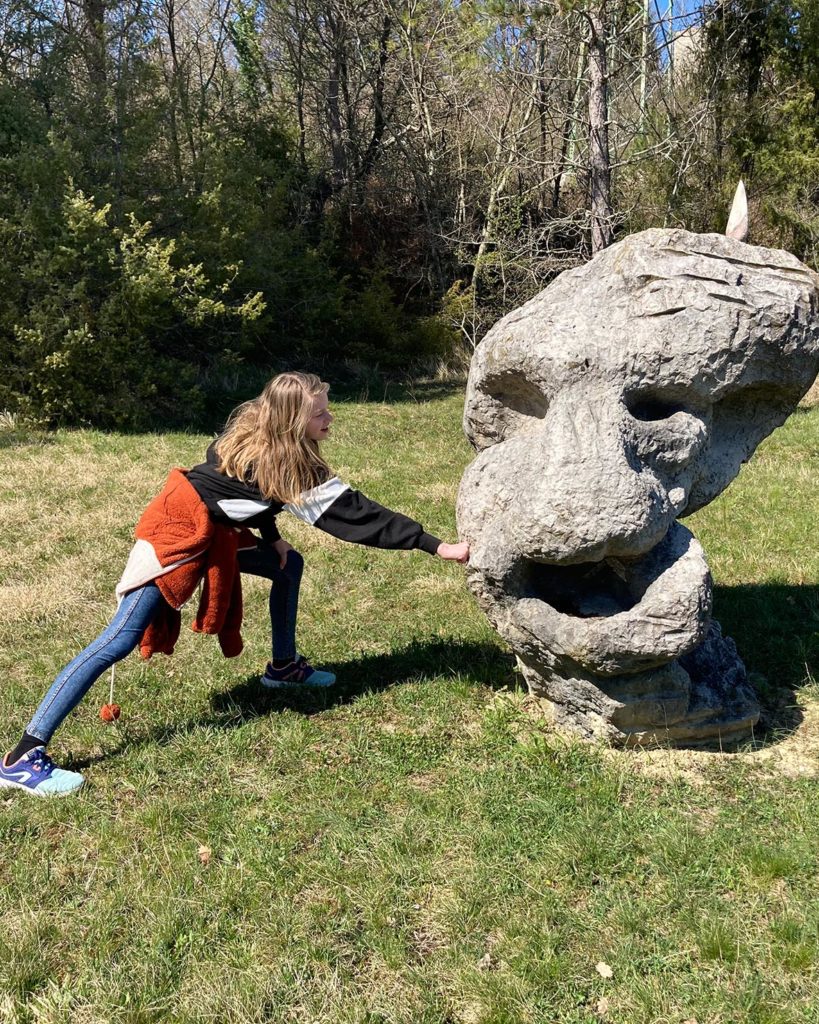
(332, 506)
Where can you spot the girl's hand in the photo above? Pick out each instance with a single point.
(281, 547)
(454, 552)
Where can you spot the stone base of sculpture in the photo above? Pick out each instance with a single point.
(702, 699)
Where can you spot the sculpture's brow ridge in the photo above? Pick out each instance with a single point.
(801, 274)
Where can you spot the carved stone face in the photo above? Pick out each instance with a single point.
(626, 394)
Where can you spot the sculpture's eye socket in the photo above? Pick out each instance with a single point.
(505, 405)
(521, 400)
(671, 425)
(652, 405)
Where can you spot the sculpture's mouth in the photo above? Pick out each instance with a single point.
(617, 615)
(587, 590)
(612, 586)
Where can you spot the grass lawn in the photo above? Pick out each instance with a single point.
(416, 846)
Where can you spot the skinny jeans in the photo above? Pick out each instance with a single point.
(135, 613)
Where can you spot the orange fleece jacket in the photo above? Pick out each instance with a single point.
(177, 525)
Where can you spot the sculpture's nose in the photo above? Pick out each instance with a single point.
(593, 495)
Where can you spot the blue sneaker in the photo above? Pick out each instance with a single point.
(298, 673)
(37, 774)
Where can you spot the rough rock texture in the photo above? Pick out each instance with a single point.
(626, 394)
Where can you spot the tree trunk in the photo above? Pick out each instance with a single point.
(94, 11)
(599, 157)
(644, 62)
(299, 69)
(542, 103)
(338, 148)
(568, 142)
(379, 118)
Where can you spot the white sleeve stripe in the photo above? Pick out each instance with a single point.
(315, 503)
(240, 509)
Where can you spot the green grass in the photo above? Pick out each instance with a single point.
(419, 847)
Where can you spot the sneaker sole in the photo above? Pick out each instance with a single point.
(282, 684)
(8, 784)
(274, 684)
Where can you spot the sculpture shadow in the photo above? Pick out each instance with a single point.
(776, 630)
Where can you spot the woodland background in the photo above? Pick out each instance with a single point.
(192, 190)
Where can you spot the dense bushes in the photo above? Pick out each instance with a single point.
(123, 305)
(115, 326)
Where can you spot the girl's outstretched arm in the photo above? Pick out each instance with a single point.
(337, 509)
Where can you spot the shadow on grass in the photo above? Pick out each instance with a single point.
(376, 389)
(776, 630)
(24, 438)
(419, 661)
(775, 627)
(219, 402)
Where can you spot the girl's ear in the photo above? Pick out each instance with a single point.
(737, 226)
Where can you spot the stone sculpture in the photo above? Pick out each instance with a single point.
(625, 395)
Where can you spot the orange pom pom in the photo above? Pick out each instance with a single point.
(110, 712)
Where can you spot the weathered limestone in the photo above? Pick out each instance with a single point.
(625, 395)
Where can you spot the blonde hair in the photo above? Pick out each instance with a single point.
(265, 441)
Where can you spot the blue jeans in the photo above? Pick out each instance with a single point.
(284, 594)
(136, 612)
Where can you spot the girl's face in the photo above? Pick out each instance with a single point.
(318, 426)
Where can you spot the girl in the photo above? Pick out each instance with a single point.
(267, 459)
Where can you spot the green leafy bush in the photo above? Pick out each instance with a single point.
(115, 327)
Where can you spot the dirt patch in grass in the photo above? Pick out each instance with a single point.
(425, 782)
(811, 399)
(790, 749)
(426, 941)
(797, 754)
(793, 756)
